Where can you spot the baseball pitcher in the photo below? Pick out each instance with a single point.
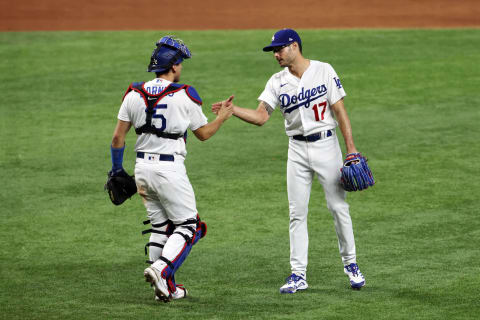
(309, 95)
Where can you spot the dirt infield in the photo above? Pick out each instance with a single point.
(228, 14)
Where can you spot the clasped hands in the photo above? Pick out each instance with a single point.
(223, 109)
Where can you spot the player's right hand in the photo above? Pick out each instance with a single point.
(225, 110)
(217, 105)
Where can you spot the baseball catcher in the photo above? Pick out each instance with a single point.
(120, 186)
(356, 175)
(161, 111)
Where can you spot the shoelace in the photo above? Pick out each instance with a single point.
(292, 278)
(353, 269)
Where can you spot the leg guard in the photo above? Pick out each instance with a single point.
(159, 236)
(200, 232)
(178, 247)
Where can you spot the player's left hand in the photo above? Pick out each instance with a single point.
(120, 186)
(355, 173)
(118, 173)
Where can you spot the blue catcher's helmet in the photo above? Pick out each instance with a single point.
(169, 51)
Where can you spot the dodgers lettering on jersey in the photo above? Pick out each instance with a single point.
(305, 103)
(174, 113)
(304, 98)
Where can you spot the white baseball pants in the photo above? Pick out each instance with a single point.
(323, 158)
(167, 195)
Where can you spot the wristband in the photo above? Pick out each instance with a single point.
(117, 157)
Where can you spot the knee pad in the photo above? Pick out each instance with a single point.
(192, 230)
(186, 229)
(200, 232)
(159, 236)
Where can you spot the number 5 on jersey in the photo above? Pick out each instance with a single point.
(315, 109)
(160, 116)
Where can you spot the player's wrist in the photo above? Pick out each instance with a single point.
(351, 150)
(222, 117)
(235, 110)
(117, 158)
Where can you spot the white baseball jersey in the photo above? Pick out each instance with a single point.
(305, 103)
(306, 106)
(175, 112)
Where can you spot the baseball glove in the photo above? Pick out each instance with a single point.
(356, 175)
(120, 186)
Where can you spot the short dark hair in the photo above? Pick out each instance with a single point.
(158, 74)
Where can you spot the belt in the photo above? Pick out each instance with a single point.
(315, 136)
(152, 156)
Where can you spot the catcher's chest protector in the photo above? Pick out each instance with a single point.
(151, 101)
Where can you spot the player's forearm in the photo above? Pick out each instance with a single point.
(348, 137)
(121, 130)
(118, 142)
(208, 130)
(345, 126)
(249, 115)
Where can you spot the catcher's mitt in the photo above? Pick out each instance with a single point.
(356, 175)
(120, 186)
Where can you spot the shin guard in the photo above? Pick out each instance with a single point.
(181, 242)
(159, 236)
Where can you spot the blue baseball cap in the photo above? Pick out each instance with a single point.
(283, 37)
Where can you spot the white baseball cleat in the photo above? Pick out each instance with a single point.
(294, 283)
(159, 284)
(357, 280)
(180, 293)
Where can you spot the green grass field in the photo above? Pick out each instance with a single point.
(68, 253)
